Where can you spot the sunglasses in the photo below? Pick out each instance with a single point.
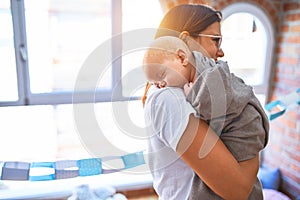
(216, 38)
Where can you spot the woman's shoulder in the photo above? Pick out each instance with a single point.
(170, 100)
(167, 95)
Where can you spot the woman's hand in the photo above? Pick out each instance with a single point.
(187, 87)
(215, 165)
(160, 84)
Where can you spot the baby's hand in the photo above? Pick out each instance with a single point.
(187, 87)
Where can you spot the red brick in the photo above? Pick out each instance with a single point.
(289, 49)
(221, 5)
(276, 79)
(266, 5)
(273, 98)
(279, 49)
(294, 189)
(230, 1)
(289, 143)
(277, 5)
(290, 61)
(170, 4)
(280, 39)
(272, 12)
(294, 135)
(276, 21)
(182, 2)
(287, 70)
(289, 82)
(277, 128)
(286, 142)
(293, 39)
(293, 17)
(295, 28)
(285, 28)
(260, 2)
(277, 70)
(199, 1)
(293, 114)
(297, 148)
(291, 6)
(275, 148)
(289, 173)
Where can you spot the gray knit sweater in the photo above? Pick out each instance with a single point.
(233, 112)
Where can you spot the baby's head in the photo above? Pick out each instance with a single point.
(166, 62)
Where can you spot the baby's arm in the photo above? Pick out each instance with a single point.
(187, 88)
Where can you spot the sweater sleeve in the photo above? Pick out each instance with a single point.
(211, 94)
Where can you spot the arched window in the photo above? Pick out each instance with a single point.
(248, 43)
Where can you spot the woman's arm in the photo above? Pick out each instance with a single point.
(215, 165)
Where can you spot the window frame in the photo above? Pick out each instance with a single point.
(270, 47)
(26, 97)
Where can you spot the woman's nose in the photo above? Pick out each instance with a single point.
(220, 53)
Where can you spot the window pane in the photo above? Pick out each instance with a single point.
(137, 31)
(120, 123)
(8, 74)
(22, 138)
(244, 45)
(61, 34)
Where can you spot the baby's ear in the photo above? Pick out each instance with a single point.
(182, 56)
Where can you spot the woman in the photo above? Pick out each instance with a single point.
(187, 159)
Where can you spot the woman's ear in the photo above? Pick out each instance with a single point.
(184, 35)
(182, 56)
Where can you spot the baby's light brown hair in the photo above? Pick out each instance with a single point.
(163, 47)
(160, 49)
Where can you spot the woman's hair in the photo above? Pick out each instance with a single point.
(192, 18)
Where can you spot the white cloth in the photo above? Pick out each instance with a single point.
(84, 192)
(167, 114)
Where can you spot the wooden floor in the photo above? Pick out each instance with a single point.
(143, 194)
(153, 197)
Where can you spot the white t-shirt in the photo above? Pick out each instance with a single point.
(167, 114)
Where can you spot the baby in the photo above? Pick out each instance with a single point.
(220, 98)
(169, 62)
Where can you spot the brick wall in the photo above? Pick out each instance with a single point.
(283, 150)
